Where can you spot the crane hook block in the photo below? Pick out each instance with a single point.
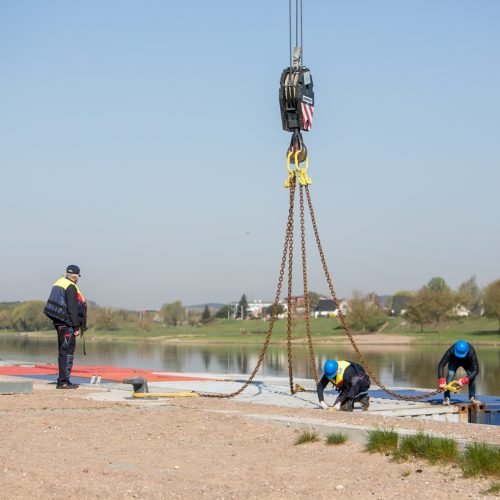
(296, 99)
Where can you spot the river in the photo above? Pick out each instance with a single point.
(396, 366)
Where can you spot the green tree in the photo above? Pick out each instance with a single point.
(418, 311)
(242, 311)
(364, 316)
(280, 309)
(206, 316)
(437, 284)
(224, 312)
(28, 316)
(432, 304)
(491, 301)
(172, 313)
(5, 320)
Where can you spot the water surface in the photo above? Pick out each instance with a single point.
(397, 366)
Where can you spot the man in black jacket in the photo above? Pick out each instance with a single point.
(461, 354)
(350, 380)
(67, 308)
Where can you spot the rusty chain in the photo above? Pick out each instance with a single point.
(289, 298)
(288, 257)
(307, 317)
(343, 319)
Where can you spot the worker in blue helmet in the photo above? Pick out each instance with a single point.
(461, 354)
(350, 380)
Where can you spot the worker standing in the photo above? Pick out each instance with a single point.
(67, 308)
(350, 379)
(461, 354)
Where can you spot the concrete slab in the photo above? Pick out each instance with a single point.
(276, 391)
(15, 385)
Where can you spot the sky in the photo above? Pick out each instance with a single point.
(142, 141)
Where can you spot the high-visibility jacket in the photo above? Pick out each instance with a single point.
(339, 376)
(65, 306)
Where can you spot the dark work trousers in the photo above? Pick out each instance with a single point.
(360, 386)
(67, 342)
(358, 390)
(452, 368)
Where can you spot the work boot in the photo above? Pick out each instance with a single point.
(446, 402)
(474, 401)
(66, 385)
(347, 406)
(365, 403)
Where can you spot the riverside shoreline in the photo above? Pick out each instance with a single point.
(361, 339)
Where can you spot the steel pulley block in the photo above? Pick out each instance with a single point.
(296, 99)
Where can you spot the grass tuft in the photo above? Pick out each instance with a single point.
(480, 459)
(431, 448)
(382, 441)
(307, 436)
(336, 438)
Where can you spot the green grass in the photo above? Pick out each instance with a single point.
(224, 331)
(494, 489)
(336, 438)
(323, 330)
(480, 459)
(478, 329)
(431, 448)
(382, 441)
(307, 436)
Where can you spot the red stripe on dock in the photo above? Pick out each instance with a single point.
(105, 372)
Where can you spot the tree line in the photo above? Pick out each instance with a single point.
(433, 305)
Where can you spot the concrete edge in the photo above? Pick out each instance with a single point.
(356, 433)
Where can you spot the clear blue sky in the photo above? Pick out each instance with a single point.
(143, 142)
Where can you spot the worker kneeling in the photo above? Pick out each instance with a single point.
(350, 380)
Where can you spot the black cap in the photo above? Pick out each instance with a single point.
(72, 269)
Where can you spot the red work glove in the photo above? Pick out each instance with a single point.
(463, 381)
(442, 383)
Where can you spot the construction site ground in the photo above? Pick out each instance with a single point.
(98, 442)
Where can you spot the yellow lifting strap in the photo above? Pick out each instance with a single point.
(453, 386)
(190, 394)
(304, 179)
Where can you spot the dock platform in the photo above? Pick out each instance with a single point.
(264, 390)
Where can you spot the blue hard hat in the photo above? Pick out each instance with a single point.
(461, 348)
(330, 368)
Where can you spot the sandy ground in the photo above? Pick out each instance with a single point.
(60, 444)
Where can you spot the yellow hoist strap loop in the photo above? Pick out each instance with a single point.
(304, 179)
(453, 386)
(291, 173)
